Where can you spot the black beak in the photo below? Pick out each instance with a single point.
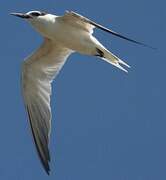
(21, 15)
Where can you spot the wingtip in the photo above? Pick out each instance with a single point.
(47, 168)
(48, 172)
(148, 46)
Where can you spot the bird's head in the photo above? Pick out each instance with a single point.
(31, 15)
(38, 19)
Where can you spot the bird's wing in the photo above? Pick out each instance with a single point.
(38, 71)
(76, 19)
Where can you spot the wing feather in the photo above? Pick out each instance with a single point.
(89, 25)
(38, 72)
(78, 21)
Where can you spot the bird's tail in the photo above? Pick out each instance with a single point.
(114, 60)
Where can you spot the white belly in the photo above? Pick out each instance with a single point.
(74, 38)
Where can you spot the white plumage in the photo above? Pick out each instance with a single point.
(63, 35)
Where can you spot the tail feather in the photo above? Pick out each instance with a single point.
(115, 61)
(116, 64)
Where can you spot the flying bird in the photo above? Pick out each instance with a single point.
(63, 35)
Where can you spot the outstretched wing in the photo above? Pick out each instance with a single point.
(37, 74)
(89, 25)
(77, 21)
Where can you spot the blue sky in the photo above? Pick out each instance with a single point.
(106, 124)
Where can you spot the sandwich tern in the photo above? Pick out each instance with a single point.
(63, 35)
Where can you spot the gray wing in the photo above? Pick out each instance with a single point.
(77, 20)
(89, 25)
(38, 71)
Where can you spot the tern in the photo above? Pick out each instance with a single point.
(63, 35)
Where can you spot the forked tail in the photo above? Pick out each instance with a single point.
(114, 60)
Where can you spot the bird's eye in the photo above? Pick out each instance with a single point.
(35, 14)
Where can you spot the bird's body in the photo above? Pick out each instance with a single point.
(63, 35)
(67, 34)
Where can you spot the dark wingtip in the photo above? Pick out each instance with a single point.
(145, 45)
(44, 162)
(46, 166)
(133, 41)
(154, 48)
(47, 169)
